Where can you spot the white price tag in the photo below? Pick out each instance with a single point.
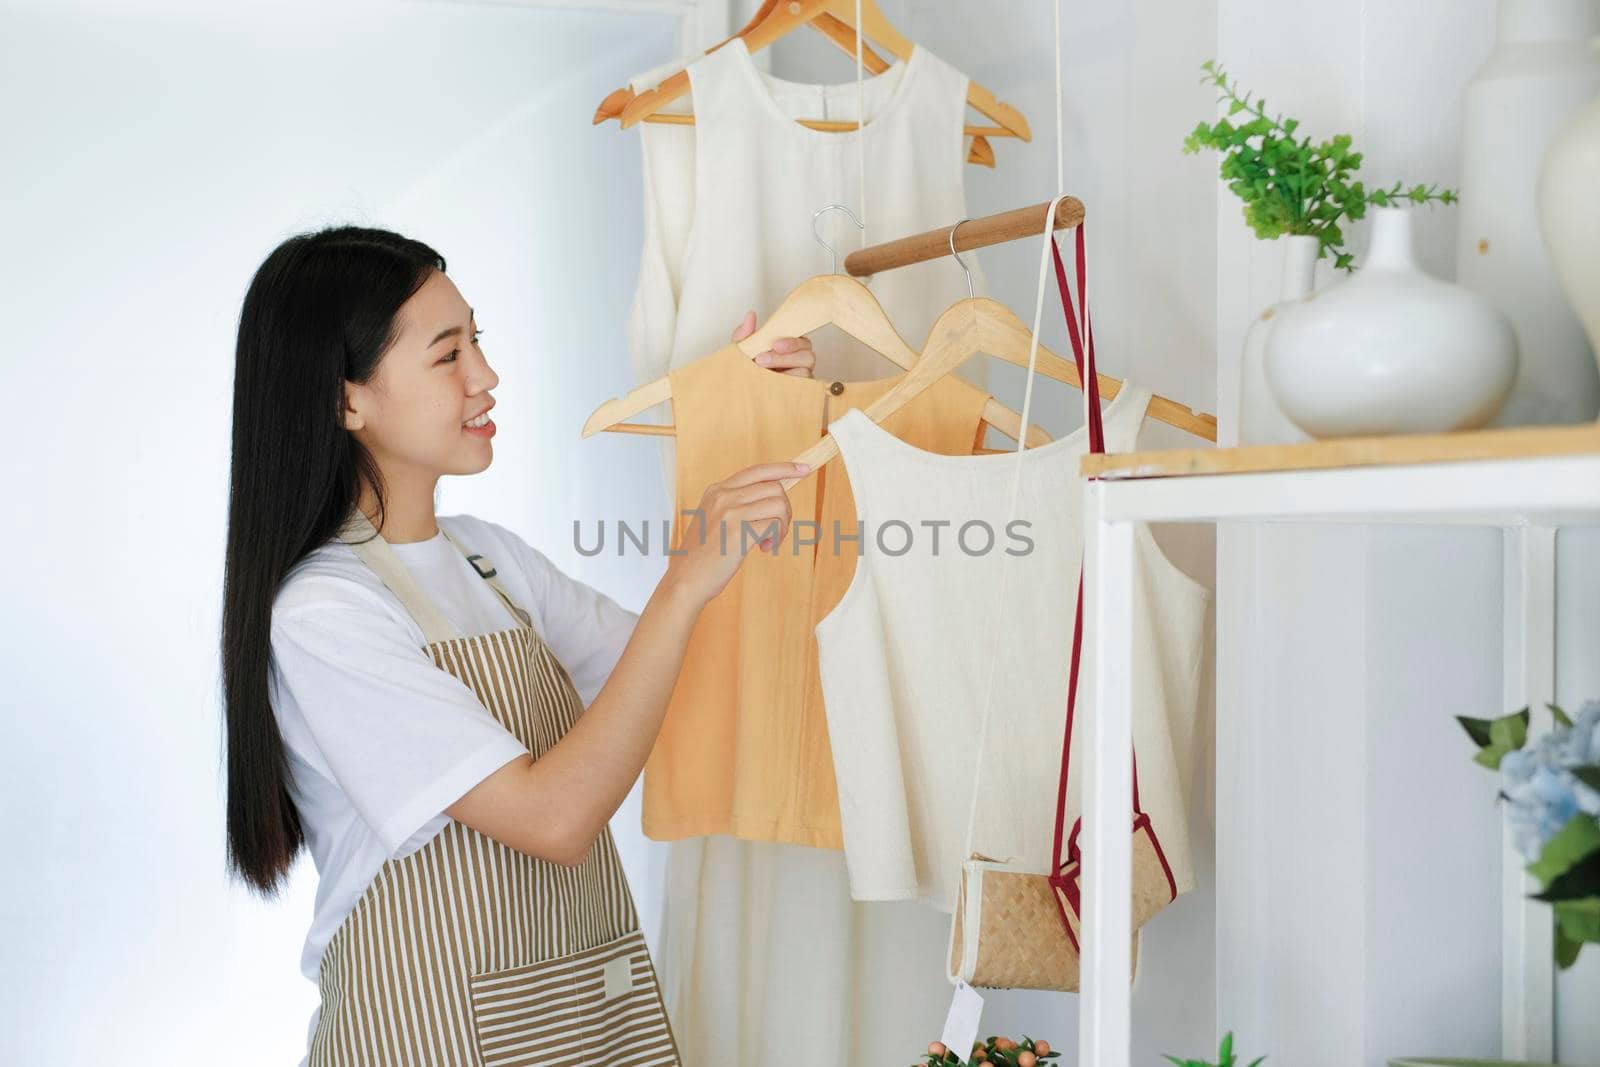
(961, 1025)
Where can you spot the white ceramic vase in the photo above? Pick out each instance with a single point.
(1261, 420)
(1391, 350)
(1544, 66)
(1569, 216)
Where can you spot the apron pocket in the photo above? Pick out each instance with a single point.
(599, 1006)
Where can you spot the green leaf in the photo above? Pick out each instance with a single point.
(1589, 776)
(1567, 948)
(1562, 718)
(1581, 881)
(1506, 734)
(1489, 757)
(1477, 729)
(1579, 838)
(1579, 920)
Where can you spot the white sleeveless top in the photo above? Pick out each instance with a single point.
(755, 177)
(906, 656)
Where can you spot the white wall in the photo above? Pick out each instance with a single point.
(154, 153)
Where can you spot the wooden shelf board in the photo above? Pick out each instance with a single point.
(1335, 453)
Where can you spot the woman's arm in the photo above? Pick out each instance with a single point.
(555, 807)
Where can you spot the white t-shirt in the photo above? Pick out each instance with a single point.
(379, 739)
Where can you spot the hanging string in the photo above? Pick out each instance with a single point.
(1022, 440)
(1061, 177)
(1044, 265)
(861, 128)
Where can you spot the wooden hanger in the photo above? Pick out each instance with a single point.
(779, 19)
(831, 28)
(826, 299)
(979, 324)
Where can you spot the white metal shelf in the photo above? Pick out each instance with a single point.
(1531, 480)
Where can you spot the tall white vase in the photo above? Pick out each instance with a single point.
(1261, 420)
(1391, 350)
(1545, 64)
(1569, 213)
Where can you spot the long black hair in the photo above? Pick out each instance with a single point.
(321, 310)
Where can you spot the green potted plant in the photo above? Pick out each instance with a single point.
(1310, 362)
(1292, 187)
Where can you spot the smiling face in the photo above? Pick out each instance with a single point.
(422, 413)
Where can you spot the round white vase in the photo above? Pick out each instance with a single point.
(1569, 215)
(1544, 66)
(1261, 420)
(1391, 350)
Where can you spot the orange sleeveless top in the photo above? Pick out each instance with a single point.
(744, 747)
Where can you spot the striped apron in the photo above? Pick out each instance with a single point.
(467, 951)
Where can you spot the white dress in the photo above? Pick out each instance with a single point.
(763, 956)
(909, 650)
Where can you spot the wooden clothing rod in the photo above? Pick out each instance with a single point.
(974, 233)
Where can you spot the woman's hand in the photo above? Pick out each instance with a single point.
(788, 355)
(747, 508)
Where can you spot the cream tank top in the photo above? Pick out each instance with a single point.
(905, 659)
(730, 224)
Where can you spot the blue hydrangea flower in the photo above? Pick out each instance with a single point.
(1542, 793)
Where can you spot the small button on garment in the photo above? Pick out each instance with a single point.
(836, 388)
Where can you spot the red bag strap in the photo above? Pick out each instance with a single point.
(1083, 357)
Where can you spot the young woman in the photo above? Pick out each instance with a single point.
(444, 718)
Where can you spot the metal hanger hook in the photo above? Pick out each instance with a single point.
(833, 252)
(964, 268)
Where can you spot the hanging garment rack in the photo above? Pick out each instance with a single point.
(973, 233)
(828, 299)
(993, 328)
